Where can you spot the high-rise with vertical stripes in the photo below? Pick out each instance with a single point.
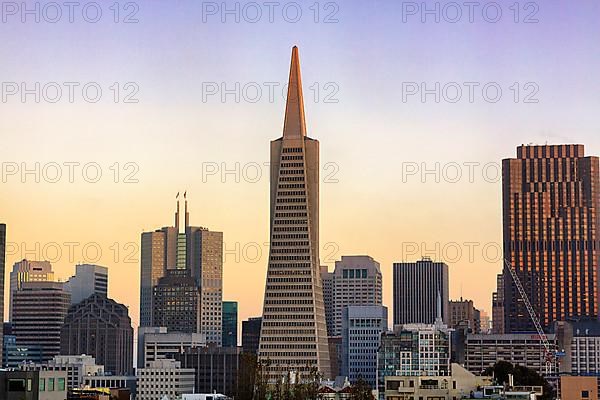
(293, 335)
(550, 199)
(420, 292)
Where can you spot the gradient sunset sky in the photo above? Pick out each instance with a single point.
(367, 138)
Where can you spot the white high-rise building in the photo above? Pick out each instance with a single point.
(356, 280)
(362, 327)
(164, 378)
(88, 279)
(293, 333)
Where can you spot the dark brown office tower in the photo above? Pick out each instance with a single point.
(551, 225)
(100, 327)
(176, 301)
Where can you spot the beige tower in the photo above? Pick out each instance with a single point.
(293, 334)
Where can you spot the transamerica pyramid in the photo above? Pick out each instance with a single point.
(293, 337)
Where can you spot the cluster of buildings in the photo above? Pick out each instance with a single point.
(69, 338)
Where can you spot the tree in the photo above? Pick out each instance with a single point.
(522, 376)
(361, 390)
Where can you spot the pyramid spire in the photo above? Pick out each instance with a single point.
(294, 125)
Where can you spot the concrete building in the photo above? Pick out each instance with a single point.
(230, 323)
(176, 302)
(419, 288)
(458, 384)
(39, 310)
(415, 350)
(162, 378)
(27, 271)
(362, 327)
(356, 280)
(76, 368)
(526, 349)
(294, 334)
(462, 311)
(88, 279)
(551, 230)
(196, 250)
(216, 368)
(2, 275)
(251, 334)
(33, 385)
(100, 327)
(157, 343)
(579, 387)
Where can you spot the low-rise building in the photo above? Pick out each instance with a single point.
(216, 368)
(111, 382)
(33, 385)
(158, 343)
(525, 349)
(579, 387)
(164, 378)
(458, 384)
(76, 368)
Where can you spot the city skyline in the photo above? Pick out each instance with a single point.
(385, 129)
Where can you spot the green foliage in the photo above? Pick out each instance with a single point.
(361, 390)
(523, 376)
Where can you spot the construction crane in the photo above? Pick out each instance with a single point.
(551, 356)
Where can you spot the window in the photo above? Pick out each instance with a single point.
(16, 385)
(50, 384)
(42, 384)
(585, 394)
(61, 384)
(29, 385)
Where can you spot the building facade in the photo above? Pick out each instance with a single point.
(39, 310)
(362, 327)
(420, 290)
(464, 312)
(356, 280)
(415, 350)
(526, 349)
(160, 344)
(251, 334)
(100, 327)
(551, 228)
(162, 378)
(88, 279)
(196, 250)
(293, 333)
(176, 302)
(74, 367)
(230, 323)
(498, 306)
(216, 368)
(33, 385)
(28, 271)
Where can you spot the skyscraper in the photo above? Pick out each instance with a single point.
(88, 279)
(356, 280)
(551, 228)
(2, 272)
(39, 310)
(463, 312)
(230, 323)
(293, 333)
(498, 305)
(251, 334)
(196, 250)
(176, 302)
(28, 271)
(420, 292)
(361, 331)
(100, 327)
